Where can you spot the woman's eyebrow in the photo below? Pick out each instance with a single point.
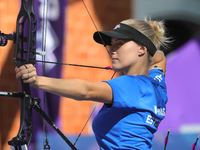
(119, 40)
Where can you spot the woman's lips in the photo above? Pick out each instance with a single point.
(113, 59)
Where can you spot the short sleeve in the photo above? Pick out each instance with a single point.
(127, 91)
(158, 76)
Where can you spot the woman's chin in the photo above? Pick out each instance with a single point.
(117, 70)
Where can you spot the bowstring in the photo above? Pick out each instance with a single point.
(44, 33)
(96, 27)
(111, 77)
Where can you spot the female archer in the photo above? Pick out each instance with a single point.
(135, 102)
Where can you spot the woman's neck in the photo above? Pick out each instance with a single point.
(140, 68)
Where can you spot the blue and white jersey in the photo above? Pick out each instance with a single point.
(139, 105)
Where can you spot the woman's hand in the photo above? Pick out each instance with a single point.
(28, 74)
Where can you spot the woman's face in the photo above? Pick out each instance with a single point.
(124, 54)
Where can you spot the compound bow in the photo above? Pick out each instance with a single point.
(25, 53)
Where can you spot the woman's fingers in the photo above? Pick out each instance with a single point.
(26, 72)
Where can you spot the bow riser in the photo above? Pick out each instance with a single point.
(25, 52)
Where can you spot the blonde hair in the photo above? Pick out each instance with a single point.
(154, 30)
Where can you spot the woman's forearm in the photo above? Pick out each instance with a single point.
(72, 88)
(159, 60)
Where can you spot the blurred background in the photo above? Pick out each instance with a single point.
(69, 39)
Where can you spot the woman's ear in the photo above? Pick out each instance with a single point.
(142, 50)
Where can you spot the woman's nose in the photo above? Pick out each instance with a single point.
(112, 49)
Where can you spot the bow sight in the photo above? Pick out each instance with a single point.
(5, 37)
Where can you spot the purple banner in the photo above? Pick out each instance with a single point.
(183, 86)
(54, 52)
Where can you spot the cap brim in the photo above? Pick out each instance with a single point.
(104, 37)
(123, 31)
